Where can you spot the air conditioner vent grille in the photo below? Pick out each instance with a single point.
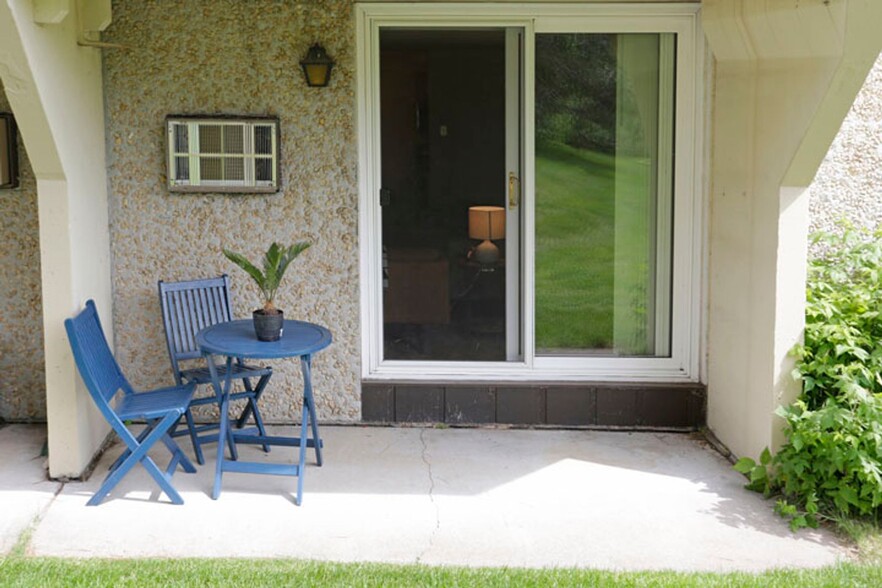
(223, 154)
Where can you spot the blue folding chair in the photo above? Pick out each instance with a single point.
(187, 308)
(160, 409)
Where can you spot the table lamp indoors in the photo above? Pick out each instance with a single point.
(486, 223)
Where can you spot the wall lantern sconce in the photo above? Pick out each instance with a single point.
(8, 152)
(317, 66)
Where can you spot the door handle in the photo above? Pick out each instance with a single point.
(513, 189)
(385, 196)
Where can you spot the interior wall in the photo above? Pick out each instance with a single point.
(443, 116)
(467, 162)
(22, 361)
(236, 57)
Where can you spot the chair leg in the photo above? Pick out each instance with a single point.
(163, 479)
(246, 412)
(258, 421)
(173, 431)
(261, 384)
(140, 439)
(138, 454)
(252, 409)
(179, 458)
(194, 438)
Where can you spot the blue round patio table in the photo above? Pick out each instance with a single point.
(236, 339)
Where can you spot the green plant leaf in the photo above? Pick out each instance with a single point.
(744, 465)
(758, 474)
(831, 464)
(275, 262)
(246, 265)
(798, 522)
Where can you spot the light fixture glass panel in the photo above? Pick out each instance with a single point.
(317, 74)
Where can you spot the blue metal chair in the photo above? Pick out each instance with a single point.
(160, 409)
(187, 308)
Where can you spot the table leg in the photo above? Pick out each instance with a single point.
(308, 411)
(302, 467)
(223, 430)
(309, 401)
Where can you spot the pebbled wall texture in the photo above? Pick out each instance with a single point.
(848, 184)
(23, 385)
(236, 57)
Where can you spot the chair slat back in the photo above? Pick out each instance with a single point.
(94, 359)
(187, 308)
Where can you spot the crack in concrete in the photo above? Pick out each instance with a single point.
(20, 548)
(425, 458)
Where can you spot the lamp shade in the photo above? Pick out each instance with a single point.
(486, 222)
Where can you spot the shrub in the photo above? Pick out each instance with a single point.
(831, 463)
(842, 352)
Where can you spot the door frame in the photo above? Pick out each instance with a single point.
(682, 19)
(514, 163)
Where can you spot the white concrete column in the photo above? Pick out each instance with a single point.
(55, 89)
(784, 76)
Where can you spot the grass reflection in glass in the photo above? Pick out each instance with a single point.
(575, 224)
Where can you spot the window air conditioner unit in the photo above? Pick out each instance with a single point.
(223, 154)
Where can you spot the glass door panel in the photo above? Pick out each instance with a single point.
(445, 191)
(603, 199)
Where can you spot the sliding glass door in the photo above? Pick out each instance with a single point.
(529, 199)
(450, 153)
(604, 154)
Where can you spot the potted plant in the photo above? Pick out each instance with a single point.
(269, 320)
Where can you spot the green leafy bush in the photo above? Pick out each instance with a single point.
(842, 353)
(831, 464)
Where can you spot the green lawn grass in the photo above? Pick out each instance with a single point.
(575, 245)
(26, 571)
(577, 263)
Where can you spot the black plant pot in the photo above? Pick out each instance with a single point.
(268, 326)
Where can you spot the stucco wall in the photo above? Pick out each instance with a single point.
(849, 182)
(235, 57)
(23, 385)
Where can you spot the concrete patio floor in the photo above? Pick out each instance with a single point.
(474, 497)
